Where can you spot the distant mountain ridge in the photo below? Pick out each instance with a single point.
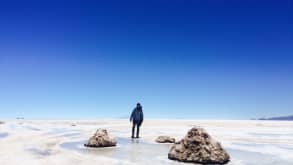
(286, 118)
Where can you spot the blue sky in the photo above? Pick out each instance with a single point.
(181, 59)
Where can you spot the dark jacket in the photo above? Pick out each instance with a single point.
(137, 115)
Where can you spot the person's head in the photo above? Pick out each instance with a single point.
(138, 105)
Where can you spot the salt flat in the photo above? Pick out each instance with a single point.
(35, 142)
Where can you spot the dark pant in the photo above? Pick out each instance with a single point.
(137, 125)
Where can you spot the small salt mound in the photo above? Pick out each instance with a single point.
(101, 139)
(165, 139)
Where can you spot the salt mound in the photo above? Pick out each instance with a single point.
(198, 147)
(101, 139)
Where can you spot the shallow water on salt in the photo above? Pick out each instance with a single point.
(3, 134)
(133, 150)
(140, 151)
(252, 158)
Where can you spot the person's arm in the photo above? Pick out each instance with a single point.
(131, 116)
(141, 116)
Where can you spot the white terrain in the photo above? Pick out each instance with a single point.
(54, 142)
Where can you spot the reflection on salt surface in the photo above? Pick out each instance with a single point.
(261, 145)
(32, 128)
(276, 135)
(58, 130)
(3, 134)
(133, 150)
(143, 152)
(252, 158)
(249, 144)
(74, 134)
(63, 132)
(287, 147)
(39, 152)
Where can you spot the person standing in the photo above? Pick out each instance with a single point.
(136, 118)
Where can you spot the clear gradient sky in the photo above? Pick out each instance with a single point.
(197, 59)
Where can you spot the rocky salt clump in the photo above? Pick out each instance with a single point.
(198, 147)
(165, 139)
(101, 139)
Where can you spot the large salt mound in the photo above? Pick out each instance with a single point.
(198, 147)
